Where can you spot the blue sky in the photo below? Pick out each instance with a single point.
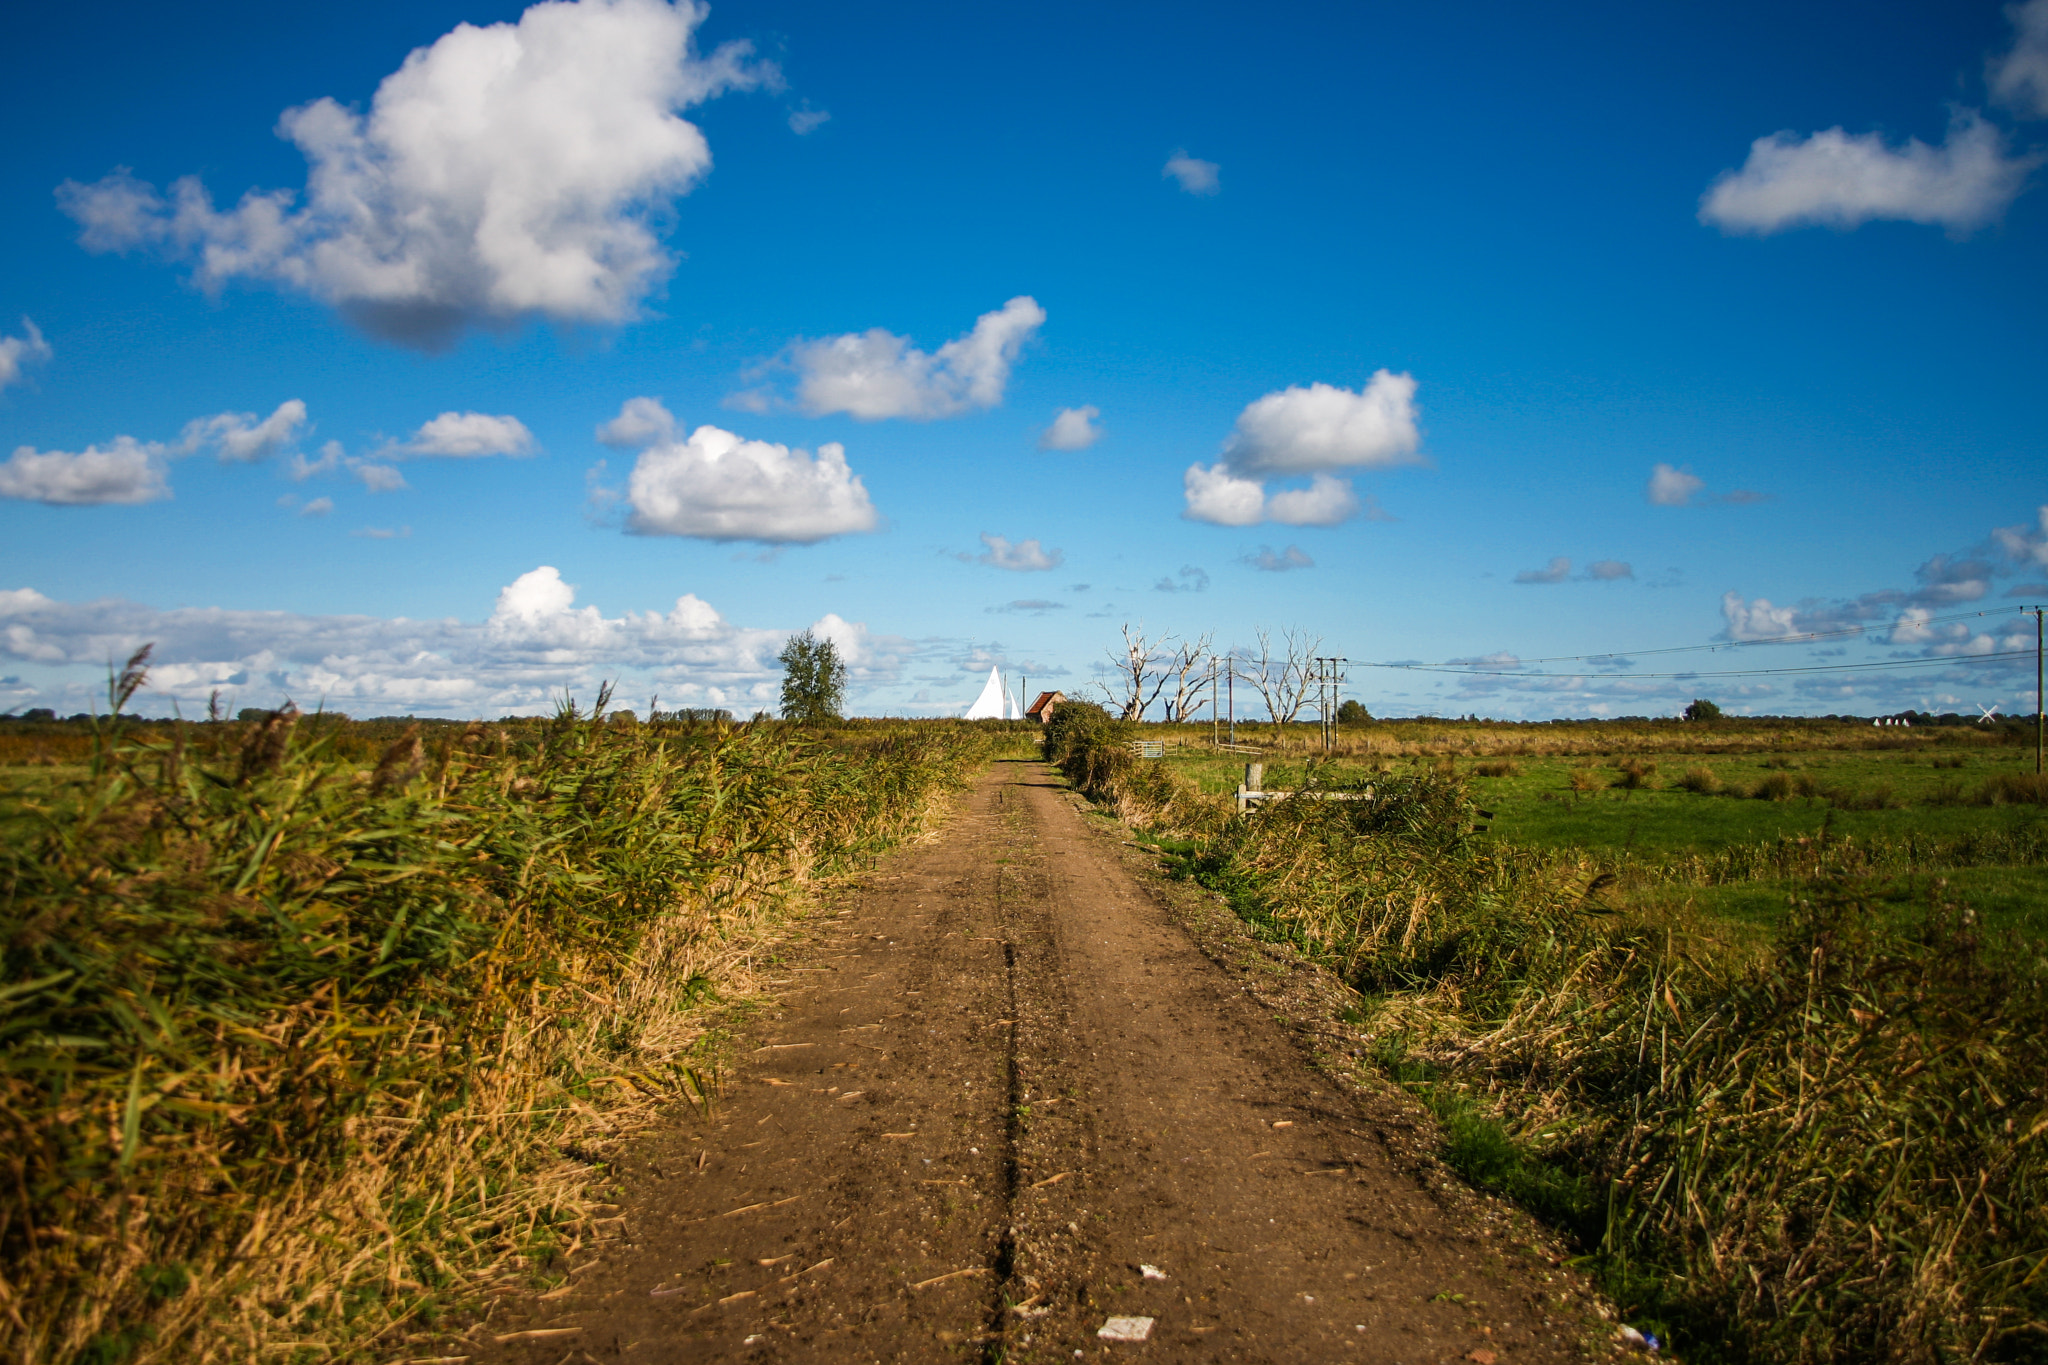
(1388, 318)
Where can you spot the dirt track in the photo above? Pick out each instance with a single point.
(1005, 1078)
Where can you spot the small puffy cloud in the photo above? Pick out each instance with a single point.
(876, 374)
(1757, 620)
(1609, 571)
(1834, 179)
(720, 486)
(1072, 429)
(2024, 545)
(1193, 174)
(1029, 606)
(1669, 487)
(382, 533)
(507, 171)
(1497, 659)
(1026, 556)
(379, 478)
(1557, 571)
(2019, 78)
(1302, 430)
(1326, 501)
(318, 507)
(1192, 578)
(125, 470)
(1287, 560)
(17, 353)
(641, 422)
(807, 120)
(1217, 496)
(238, 437)
(470, 435)
(1679, 486)
(1313, 430)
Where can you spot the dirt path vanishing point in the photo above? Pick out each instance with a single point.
(996, 1089)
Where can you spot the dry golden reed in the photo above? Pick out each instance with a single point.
(297, 1049)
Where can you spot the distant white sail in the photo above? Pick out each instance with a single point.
(992, 703)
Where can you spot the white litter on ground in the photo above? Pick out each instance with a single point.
(1126, 1329)
(1151, 1272)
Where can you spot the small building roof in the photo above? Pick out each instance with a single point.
(1045, 702)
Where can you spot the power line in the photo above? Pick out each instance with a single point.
(1882, 664)
(1808, 637)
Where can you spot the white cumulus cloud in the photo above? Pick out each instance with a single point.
(127, 471)
(876, 374)
(720, 486)
(468, 435)
(1026, 556)
(1193, 174)
(1842, 180)
(124, 470)
(17, 353)
(505, 172)
(1216, 495)
(1327, 501)
(641, 422)
(1072, 429)
(1311, 429)
(1757, 620)
(240, 438)
(1302, 429)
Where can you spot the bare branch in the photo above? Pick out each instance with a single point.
(1189, 670)
(1283, 679)
(1136, 666)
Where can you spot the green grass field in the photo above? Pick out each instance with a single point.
(1649, 802)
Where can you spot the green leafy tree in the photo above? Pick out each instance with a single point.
(813, 680)
(1353, 713)
(1702, 709)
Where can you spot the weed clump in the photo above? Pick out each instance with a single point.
(1704, 781)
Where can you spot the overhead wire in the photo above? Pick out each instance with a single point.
(1521, 670)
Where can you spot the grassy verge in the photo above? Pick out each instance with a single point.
(302, 1043)
(1818, 1141)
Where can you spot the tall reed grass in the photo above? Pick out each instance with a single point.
(1833, 1153)
(296, 1050)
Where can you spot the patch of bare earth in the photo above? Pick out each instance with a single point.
(1017, 1085)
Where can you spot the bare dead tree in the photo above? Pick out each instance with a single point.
(1188, 669)
(1283, 679)
(1137, 666)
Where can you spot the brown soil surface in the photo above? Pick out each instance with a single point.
(1010, 1075)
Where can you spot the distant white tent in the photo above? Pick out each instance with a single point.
(994, 703)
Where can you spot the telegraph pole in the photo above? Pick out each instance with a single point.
(1213, 717)
(1329, 676)
(2037, 692)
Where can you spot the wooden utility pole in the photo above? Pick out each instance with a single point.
(2038, 708)
(1214, 719)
